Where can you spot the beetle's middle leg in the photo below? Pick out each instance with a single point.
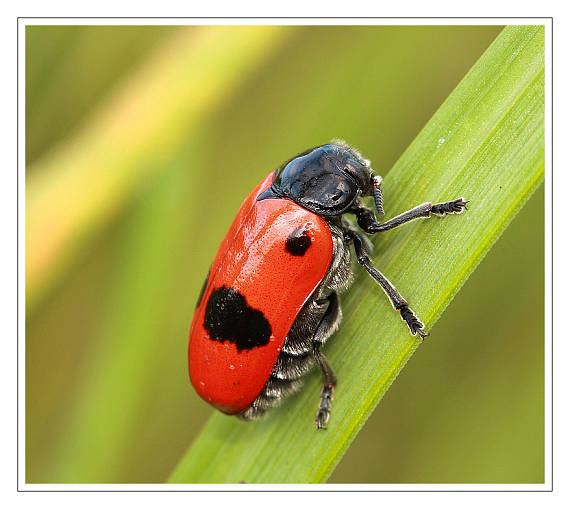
(414, 323)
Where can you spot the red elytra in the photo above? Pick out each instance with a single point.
(253, 260)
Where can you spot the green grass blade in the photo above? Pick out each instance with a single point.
(485, 143)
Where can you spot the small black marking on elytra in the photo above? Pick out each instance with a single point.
(228, 317)
(203, 288)
(298, 242)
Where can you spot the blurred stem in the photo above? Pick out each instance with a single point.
(129, 337)
(69, 194)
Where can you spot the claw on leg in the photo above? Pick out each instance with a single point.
(323, 415)
(450, 207)
(414, 323)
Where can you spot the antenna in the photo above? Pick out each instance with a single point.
(377, 192)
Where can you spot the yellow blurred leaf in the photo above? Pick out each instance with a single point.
(79, 186)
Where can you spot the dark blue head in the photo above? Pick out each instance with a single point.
(326, 180)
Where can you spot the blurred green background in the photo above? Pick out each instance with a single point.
(141, 143)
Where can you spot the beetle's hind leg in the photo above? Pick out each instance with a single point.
(414, 323)
(326, 327)
(327, 392)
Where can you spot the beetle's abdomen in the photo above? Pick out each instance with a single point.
(269, 263)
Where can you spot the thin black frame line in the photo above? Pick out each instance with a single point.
(284, 17)
(17, 256)
(284, 491)
(552, 253)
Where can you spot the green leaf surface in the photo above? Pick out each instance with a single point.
(485, 143)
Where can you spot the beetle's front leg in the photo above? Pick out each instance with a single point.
(367, 220)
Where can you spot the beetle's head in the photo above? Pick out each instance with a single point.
(326, 179)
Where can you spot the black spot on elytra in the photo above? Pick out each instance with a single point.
(203, 288)
(229, 318)
(298, 242)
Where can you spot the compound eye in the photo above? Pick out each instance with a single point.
(315, 181)
(328, 193)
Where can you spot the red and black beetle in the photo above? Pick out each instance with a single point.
(270, 300)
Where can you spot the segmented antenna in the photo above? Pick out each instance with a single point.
(377, 182)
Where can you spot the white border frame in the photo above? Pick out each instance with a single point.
(546, 486)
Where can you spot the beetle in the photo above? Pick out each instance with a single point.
(271, 297)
